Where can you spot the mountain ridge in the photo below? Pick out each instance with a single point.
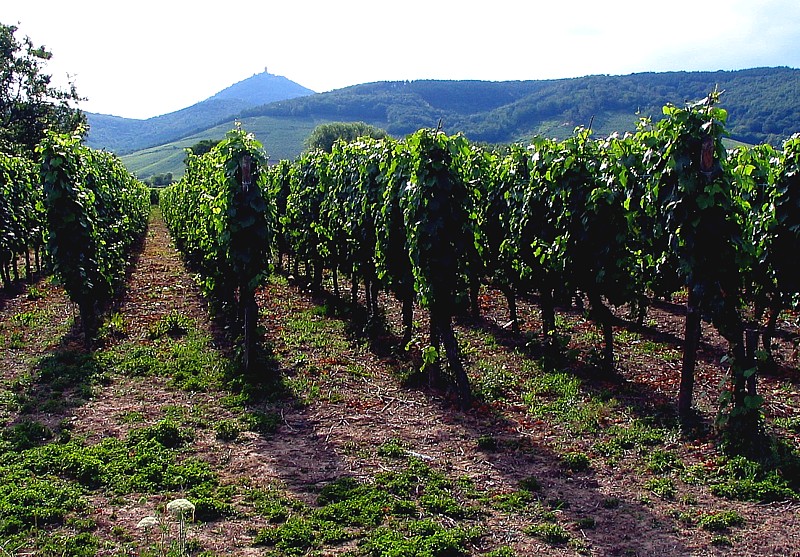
(123, 135)
(763, 105)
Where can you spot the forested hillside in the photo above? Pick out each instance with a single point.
(762, 103)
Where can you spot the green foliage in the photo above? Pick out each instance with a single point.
(513, 502)
(174, 325)
(25, 435)
(720, 521)
(390, 517)
(392, 448)
(165, 432)
(22, 217)
(273, 505)
(96, 210)
(745, 479)
(661, 462)
(422, 538)
(223, 230)
(439, 211)
(227, 430)
(29, 103)
(147, 461)
(559, 395)
(576, 461)
(298, 535)
(503, 551)
(325, 135)
(265, 423)
(638, 436)
(548, 532)
(27, 502)
(203, 146)
(663, 487)
(349, 504)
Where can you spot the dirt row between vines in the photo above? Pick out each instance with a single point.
(336, 432)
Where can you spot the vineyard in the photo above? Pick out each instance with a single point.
(416, 347)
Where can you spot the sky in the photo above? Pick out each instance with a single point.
(145, 58)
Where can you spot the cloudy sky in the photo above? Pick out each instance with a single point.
(145, 58)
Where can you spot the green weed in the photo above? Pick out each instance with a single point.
(586, 523)
(744, 479)
(488, 442)
(514, 501)
(576, 461)
(273, 505)
(173, 325)
(548, 532)
(227, 430)
(558, 396)
(661, 462)
(494, 382)
(298, 535)
(25, 435)
(663, 487)
(717, 522)
(721, 541)
(421, 537)
(639, 436)
(265, 423)
(503, 551)
(29, 318)
(33, 292)
(392, 448)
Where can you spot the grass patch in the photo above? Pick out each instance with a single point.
(558, 396)
(576, 462)
(548, 532)
(392, 448)
(494, 382)
(744, 479)
(638, 437)
(173, 325)
(310, 330)
(662, 462)
(299, 535)
(227, 430)
(663, 487)
(717, 522)
(265, 423)
(187, 361)
(414, 510)
(419, 537)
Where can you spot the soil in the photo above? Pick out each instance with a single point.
(336, 436)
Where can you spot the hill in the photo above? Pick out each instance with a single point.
(125, 135)
(762, 104)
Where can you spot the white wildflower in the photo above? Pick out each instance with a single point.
(180, 507)
(147, 522)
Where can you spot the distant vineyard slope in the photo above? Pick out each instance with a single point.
(762, 104)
